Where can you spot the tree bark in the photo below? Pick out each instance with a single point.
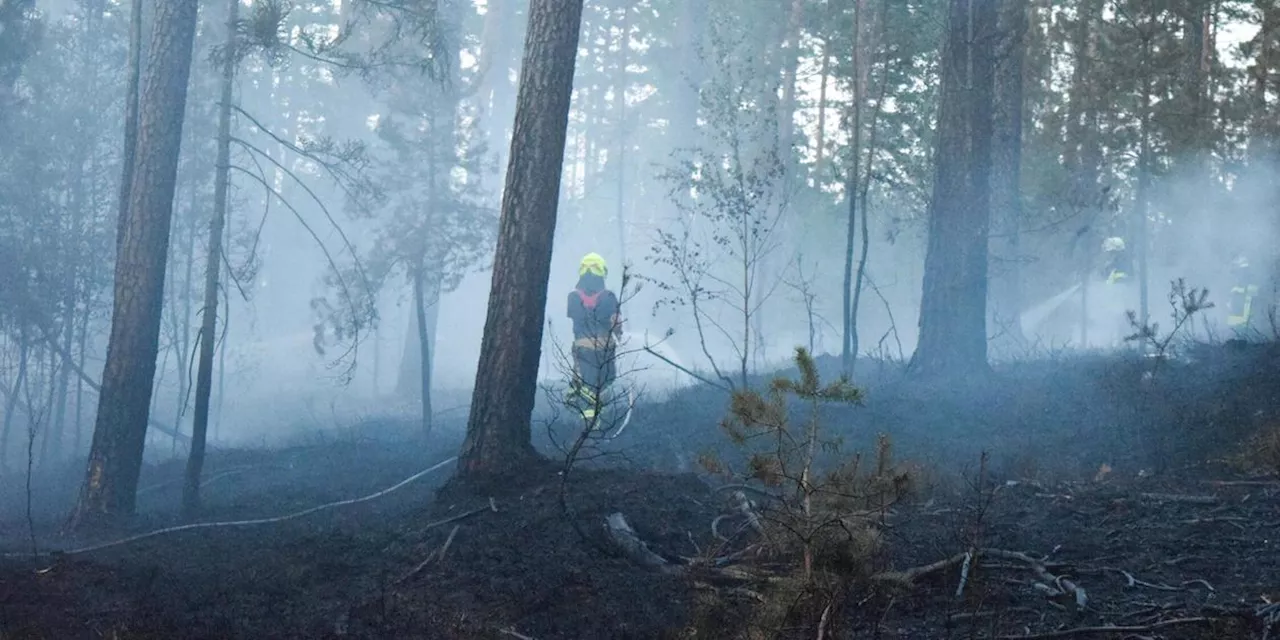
(127, 160)
(115, 459)
(212, 269)
(953, 318)
(498, 430)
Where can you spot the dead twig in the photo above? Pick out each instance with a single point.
(964, 574)
(823, 621)
(511, 631)
(1082, 631)
(1134, 582)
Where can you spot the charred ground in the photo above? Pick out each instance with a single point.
(1125, 483)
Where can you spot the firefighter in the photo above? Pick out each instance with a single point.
(596, 315)
(1243, 291)
(1117, 260)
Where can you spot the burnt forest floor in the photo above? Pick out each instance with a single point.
(1146, 499)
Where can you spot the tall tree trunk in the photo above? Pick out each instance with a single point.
(791, 65)
(953, 318)
(687, 97)
(1006, 170)
(11, 403)
(184, 330)
(620, 85)
(82, 342)
(409, 376)
(498, 430)
(821, 142)
(127, 160)
(212, 269)
(425, 338)
(16, 45)
(115, 460)
(1142, 209)
(849, 352)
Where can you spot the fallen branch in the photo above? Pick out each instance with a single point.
(964, 574)
(438, 554)
(1061, 585)
(1081, 631)
(1243, 483)
(1134, 582)
(685, 370)
(732, 591)
(245, 523)
(510, 631)
(907, 577)
(492, 506)
(1185, 499)
(626, 539)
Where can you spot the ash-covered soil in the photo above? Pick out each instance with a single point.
(1123, 493)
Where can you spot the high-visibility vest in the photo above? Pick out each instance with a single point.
(1116, 276)
(1241, 304)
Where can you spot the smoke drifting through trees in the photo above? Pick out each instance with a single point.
(369, 142)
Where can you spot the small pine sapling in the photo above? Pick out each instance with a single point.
(821, 520)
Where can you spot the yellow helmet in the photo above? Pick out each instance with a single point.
(593, 263)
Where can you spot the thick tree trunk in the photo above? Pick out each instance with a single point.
(498, 430)
(953, 318)
(115, 460)
(212, 269)
(1006, 170)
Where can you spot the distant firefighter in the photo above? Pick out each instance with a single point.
(1243, 291)
(596, 315)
